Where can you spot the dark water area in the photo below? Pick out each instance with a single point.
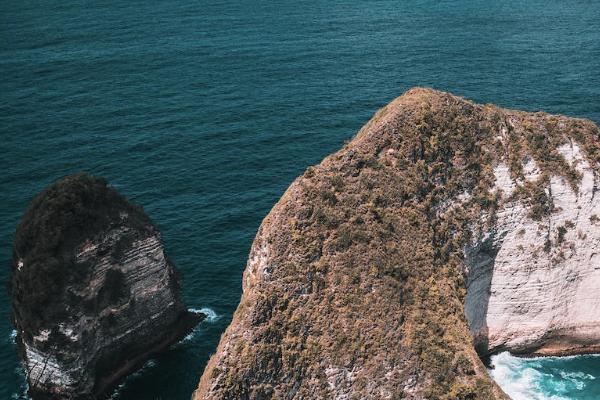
(204, 112)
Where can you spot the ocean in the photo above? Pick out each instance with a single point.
(204, 112)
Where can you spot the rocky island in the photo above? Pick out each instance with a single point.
(94, 294)
(443, 232)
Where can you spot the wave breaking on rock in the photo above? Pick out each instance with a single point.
(384, 271)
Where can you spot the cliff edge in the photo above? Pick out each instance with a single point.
(93, 293)
(442, 227)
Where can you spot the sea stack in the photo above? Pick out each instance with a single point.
(93, 293)
(445, 230)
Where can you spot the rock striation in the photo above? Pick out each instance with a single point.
(93, 293)
(442, 227)
(534, 281)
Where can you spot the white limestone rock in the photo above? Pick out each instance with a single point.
(534, 286)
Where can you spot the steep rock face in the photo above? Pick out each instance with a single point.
(537, 289)
(93, 292)
(356, 283)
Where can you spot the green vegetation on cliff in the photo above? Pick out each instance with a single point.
(355, 284)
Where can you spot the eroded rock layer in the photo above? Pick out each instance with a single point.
(357, 280)
(534, 283)
(93, 292)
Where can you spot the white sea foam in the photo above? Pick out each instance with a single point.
(576, 375)
(518, 382)
(211, 315)
(524, 379)
(13, 336)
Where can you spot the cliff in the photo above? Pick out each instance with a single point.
(442, 226)
(93, 293)
(534, 273)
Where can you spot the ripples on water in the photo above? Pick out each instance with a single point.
(204, 112)
(550, 378)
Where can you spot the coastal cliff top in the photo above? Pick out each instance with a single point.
(354, 286)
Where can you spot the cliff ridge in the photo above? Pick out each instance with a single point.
(383, 271)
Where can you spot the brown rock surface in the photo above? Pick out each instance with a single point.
(356, 281)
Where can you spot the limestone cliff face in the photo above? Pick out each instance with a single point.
(362, 280)
(535, 289)
(94, 294)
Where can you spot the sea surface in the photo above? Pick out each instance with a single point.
(203, 112)
(551, 378)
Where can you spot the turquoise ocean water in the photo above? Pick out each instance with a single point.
(204, 112)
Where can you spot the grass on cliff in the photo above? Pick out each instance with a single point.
(367, 283)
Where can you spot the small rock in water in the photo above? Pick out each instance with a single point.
(94, 294)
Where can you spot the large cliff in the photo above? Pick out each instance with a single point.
(93, 292)
(363, 278)
(534, 273)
